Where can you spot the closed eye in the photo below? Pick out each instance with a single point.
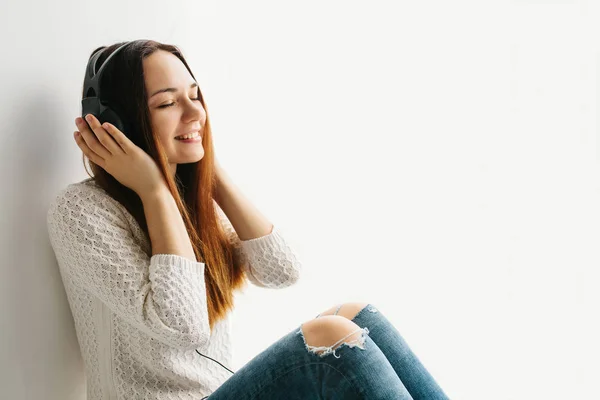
(172, 104)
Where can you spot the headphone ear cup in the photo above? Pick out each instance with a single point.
(90, 105)
(108, 115)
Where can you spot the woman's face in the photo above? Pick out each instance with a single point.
(176, 111)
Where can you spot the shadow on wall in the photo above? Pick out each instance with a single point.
(40, 356)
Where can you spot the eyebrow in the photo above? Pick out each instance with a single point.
(171, 89)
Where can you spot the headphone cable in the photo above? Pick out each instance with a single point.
(215, 361)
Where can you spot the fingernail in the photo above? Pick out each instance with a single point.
(88, 117)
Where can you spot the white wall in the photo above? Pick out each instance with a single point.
(437, 159)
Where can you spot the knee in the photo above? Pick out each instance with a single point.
(325, 334)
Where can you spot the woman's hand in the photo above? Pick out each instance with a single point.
(109, 148)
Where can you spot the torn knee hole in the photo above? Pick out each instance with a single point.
(322, 351)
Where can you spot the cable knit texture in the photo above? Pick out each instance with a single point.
(139, 317)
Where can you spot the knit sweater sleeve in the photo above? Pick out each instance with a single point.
(269, 261)
(163, 295)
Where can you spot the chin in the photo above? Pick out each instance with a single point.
(188, 157)
(190, 160)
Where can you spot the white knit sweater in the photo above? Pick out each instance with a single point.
(139, 317)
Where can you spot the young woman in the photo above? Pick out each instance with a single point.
(153, 245)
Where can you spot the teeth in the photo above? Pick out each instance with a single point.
(193, 135)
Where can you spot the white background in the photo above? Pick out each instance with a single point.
(437, 159)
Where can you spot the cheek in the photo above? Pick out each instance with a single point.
(167, 141)
(164, 128)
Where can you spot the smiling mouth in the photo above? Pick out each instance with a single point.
(190, 137)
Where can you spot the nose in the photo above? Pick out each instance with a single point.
(195, 112)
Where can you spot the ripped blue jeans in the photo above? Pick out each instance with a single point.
(378, 365)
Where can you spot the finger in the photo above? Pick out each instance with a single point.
(91, 142)
(95, 158)
(118, 137)
(95, 136)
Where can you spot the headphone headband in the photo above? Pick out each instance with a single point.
(93, 75)
(92, 103)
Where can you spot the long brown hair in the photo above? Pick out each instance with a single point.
(194, 184)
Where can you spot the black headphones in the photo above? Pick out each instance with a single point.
(93, 104)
